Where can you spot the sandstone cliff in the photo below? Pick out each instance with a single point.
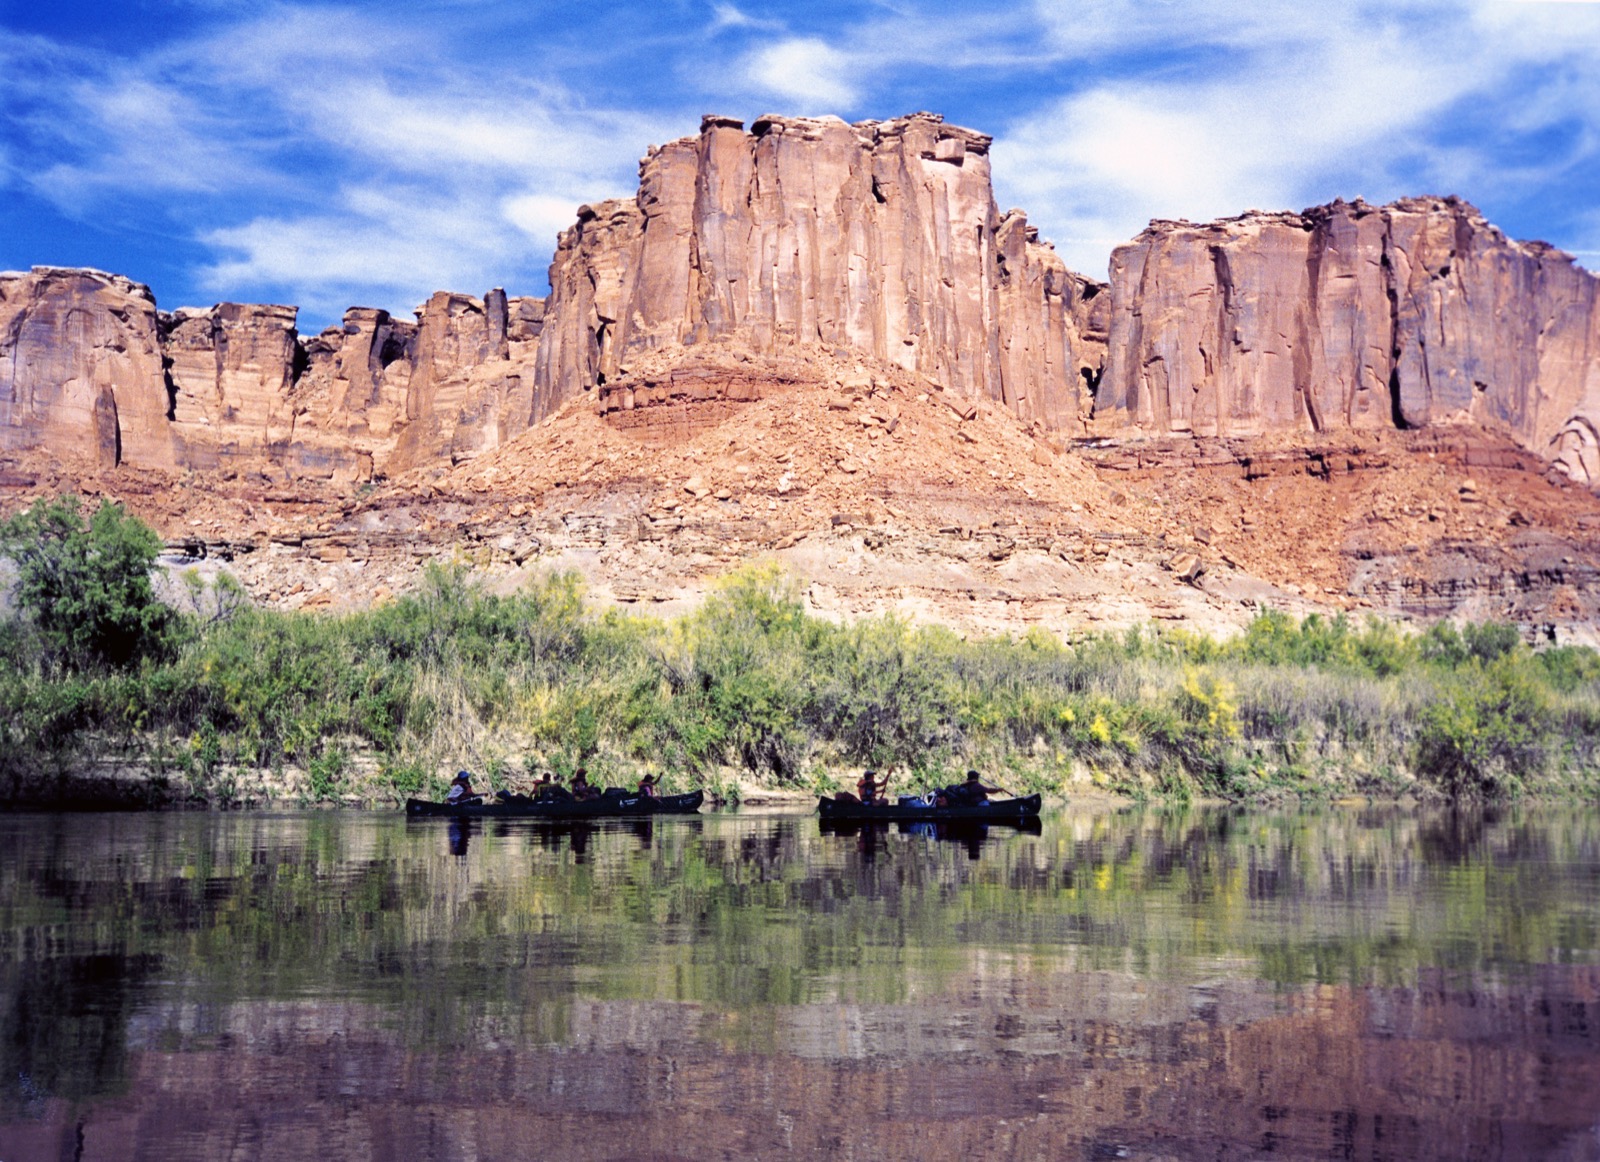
(1350, 316)
(90, 369)
(875, 247)
(881, 239)
(80, 367)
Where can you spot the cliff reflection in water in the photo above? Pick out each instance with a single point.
(1355, 983)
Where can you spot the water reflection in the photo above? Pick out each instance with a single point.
(1364, 983)
(460, 833)
(972, 834)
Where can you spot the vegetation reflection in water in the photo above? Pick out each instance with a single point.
(127, 935)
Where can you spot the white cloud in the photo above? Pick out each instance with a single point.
(376, 247)
(83, 126)
(322, 156)
(725, 16)
(1275, 105)
(540, 216)
(806, 70)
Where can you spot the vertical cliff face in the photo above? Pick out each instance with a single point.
(229, 371)
(881, 238)
(383, 395)
(1353, 316)
(90, 369)
(80, 367)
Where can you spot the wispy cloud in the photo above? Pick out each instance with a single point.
(331, 152)
(806, 70)
(369, 163)
(1274, 105)
(374, 247)
(725, 16)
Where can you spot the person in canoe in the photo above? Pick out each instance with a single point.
(647, 787)
(972, 793)
(581, 790)
(547, 790)
(867, 788)
(461, 789)
(870, 788)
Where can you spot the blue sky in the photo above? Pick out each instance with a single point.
(331, 155)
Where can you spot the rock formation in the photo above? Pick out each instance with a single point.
(1351, 316)
(875, 246)
(879, 238)
(89, 368)
(80, 367)
(229, 371)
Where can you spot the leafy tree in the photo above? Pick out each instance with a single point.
(85, 585)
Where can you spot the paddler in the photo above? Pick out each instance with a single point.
(974, 791)
(869, 787)
(581, 790)
(461, 789)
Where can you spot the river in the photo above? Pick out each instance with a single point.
(1341, 982)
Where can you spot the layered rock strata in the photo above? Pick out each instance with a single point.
(880, 238)
(229, 374)
(1350, 316)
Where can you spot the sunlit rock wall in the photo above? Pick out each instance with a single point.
(80, 367)
(1413, 314)
(879, 238)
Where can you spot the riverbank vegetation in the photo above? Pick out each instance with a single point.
(228, 702)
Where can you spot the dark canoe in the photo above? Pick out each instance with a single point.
(605, 807)
(998, 811)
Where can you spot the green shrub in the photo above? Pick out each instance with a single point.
(1485, 734)
(85, 587)
(456, 676)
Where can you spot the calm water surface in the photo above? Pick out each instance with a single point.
(1340, 983)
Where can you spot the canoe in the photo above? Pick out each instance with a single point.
(605, 807)
(996, 811)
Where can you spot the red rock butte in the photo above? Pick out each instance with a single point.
(1269, 390)
(880, 240)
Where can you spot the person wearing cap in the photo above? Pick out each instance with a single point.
(647, 787)
(869, 787)
(461, 789)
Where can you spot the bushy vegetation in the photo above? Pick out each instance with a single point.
(83, 586)
(379, 704)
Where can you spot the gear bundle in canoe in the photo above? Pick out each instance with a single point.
(1003, 809)
(523, 807)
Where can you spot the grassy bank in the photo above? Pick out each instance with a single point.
(385, 703)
